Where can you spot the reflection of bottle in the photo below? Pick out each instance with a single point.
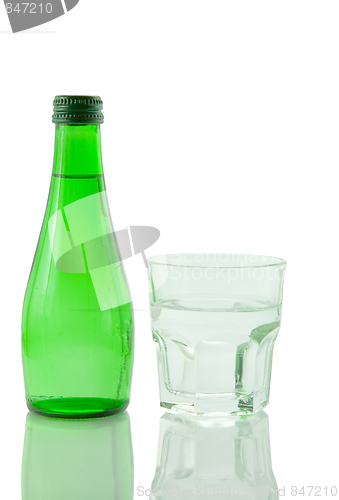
(214, 458)
(77, 459)
(77, 324)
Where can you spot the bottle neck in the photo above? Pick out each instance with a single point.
(77, 151)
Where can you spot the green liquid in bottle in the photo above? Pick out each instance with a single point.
(77, 323)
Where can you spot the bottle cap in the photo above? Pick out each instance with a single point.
(77, 109)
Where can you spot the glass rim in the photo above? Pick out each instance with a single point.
(267, 261)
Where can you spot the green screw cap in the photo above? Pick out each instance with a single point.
(77, 109)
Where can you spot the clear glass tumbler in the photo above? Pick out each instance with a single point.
(215, 319)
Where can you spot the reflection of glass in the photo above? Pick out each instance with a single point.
(214, 458)
(215, 319)
(77, 459)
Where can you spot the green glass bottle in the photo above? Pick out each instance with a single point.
(77, 322)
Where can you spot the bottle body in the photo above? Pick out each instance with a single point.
(77, 324)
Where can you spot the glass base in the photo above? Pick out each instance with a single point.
(215, 407)
(77, 407)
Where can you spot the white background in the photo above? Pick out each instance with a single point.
(221, 129)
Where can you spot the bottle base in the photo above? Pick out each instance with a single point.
(77, 407)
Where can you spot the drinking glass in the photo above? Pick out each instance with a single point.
(215, 319)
